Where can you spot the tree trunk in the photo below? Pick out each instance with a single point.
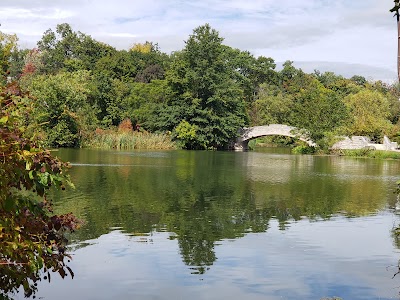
(398, 45)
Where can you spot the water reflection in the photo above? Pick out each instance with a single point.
(204, 200)
(273, 265)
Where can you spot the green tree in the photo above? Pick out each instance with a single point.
(70, 50)
(205, 95)
(369, 112)
(145, 99)
(62, 108)
(271, 107)
(8, 46)
(340, 85)
(319, 111)
(120, 66)
(249, 71)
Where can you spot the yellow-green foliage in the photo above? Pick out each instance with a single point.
(129, 140)
(370, 111)
(147, 47)
(186, 131)
(8, 44)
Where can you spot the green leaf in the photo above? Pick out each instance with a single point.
(9, 204)
(4, 120)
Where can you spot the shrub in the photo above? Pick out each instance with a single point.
(31, 238)
(125, 126)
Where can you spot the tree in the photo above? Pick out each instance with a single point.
(340, 85)
(8, 46)
(205, 93)
(395, 10)
(319, 111)
(249, 71)
(147, 47)
(70, 50)
(271, 108)
(369, 113)
(62, 108)
(31, 238)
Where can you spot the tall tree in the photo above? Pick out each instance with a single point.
(395, 10)
(63, 108)
(8, 46)
(208, 103)
(369, 114)
(70, 50)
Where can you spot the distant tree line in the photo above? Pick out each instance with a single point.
(200, 95)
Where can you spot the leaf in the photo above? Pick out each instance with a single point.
(26, 153)
(9, 204)
(28, 165)
(4, 120)
(44, 179)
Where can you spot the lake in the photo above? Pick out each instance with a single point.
(225, 225)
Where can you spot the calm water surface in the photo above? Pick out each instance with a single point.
(224, 225)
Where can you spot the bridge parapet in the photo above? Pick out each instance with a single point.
(247, 134)
(354, 142)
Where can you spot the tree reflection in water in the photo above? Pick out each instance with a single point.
(205, 197)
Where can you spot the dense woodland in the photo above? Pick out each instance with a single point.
(199, 95)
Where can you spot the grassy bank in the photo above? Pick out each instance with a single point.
(129, 140)
(369, 153)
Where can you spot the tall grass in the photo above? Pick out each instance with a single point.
(129, 140)
(380, 154)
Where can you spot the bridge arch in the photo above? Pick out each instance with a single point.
(247, 134)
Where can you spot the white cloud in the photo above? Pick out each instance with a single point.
(351, 31)
(122, 35)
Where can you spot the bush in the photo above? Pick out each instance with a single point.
(303, 149)
(31, 238)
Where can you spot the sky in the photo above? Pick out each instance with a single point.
(345, 36)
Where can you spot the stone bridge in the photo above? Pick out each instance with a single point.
(247, 134)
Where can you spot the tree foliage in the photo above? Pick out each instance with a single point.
(62, 107)
(200, 95)
(369, 112)
(68, 50)
(318, 110)
(205, 94)
(32, 240)
(8, 46)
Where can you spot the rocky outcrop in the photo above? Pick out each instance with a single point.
(364, 142)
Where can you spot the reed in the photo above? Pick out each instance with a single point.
(129, 140)
(370, 153)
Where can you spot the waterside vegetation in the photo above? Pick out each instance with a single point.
(199, 96)
(127, 139)
(32, 238)
(370, 153)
